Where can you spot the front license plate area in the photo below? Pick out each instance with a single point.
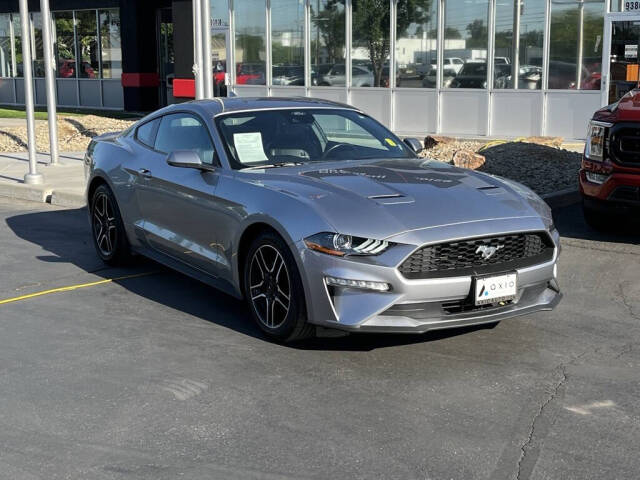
(496, 288)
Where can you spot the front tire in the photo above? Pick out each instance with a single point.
(273, 290)
(109, 237)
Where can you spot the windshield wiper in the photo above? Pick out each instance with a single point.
(275, 165)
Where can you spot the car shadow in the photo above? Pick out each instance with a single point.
(65, 237)
(570, 223)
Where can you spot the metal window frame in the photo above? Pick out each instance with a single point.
(307, 48)
(268, 74)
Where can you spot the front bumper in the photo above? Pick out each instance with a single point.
(621, 188)
(413, 306)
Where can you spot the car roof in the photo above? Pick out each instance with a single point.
(218, 105)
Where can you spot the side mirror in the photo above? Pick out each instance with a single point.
(414, 144)
(187, 159)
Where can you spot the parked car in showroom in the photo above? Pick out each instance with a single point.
(319, 217)
(610, 173)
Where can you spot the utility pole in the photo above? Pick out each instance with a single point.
(50, 80)
(33, 177)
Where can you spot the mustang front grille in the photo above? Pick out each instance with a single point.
(478, 256)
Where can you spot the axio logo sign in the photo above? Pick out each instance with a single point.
(499, 286)
(487, 251)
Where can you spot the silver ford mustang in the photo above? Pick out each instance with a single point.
(320, 217)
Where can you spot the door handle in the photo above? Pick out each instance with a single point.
(143, 172)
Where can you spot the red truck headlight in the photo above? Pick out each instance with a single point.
(596, 137)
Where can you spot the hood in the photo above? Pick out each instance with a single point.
(627, 109)
(387, 197)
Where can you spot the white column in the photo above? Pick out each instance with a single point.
(50, 80)
(197, 48)
(207, 68)
(33, 177)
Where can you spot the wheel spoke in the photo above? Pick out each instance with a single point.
(281, 294)
(262, 262)
(108, 242)
(282, 304)
(273, 314)
(99, 232)
(279, 262)
(104, 205)
(268, 313)
(260, 295)
(99, 206)
(102, 240)
(276, 261)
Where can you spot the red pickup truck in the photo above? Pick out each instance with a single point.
(610, 173)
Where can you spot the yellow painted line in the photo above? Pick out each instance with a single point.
(73, 287)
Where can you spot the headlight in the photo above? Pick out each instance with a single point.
(596, 135)
(340, 245)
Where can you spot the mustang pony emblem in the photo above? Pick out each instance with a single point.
(487, 251)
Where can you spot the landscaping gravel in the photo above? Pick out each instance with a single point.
(543, 168)
(74, 133)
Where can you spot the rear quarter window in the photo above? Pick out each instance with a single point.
(146, 133)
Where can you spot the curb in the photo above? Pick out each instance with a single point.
(562, 198)
(43, 194)
(68, 198)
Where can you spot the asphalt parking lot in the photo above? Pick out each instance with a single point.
(160, 377)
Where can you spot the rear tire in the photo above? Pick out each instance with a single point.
(273, 290)
(109, 236)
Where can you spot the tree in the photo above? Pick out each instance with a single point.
(371, 25)
(330, 26)
(478, 34)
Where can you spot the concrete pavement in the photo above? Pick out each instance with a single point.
(161, 377)
(63, 185)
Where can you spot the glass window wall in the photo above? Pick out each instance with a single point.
(416, 43)
(6, 69)
(371, 24)
(327, 43)
(250, 21)
(287, 42)
(65, 46)
(88, 58)
(98, 57)
(575, 45)
(37, 50)
(465, 44)
(17, 38)
(110, 51)
(519, 27)
(219, 39)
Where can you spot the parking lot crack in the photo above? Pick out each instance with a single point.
(626, 303)
(529, 443)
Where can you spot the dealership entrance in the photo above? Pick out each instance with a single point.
(620, 64)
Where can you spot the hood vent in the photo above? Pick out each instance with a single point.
(390, 198)
(492, 190)
(386, 196)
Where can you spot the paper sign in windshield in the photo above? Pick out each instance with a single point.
(249, 147)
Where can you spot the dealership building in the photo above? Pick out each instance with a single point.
(457, 67)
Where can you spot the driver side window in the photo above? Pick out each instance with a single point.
(183, 131)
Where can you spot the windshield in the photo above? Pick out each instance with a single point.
(277, 137)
